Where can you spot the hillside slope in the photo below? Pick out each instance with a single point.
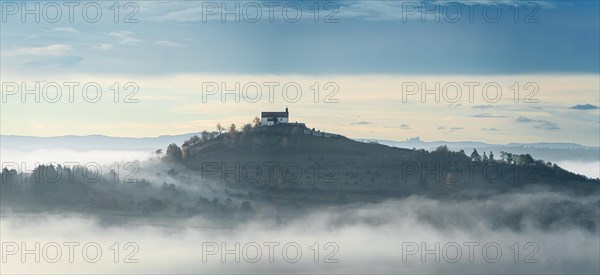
(297, 165)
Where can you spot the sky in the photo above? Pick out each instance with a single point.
(492, 71)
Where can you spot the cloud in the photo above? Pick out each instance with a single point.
(50, 50)
(120, 34)
(490, 129)
(66, 29)
(539, 123)
(373, 10)
(189, 14)
(453, 129)
(523, 119)
(584, 107)
(416, 10)
(486, 115)
(441, 128)
(489, 106)
(167, 43)
(547, 125)
(54, 62)
(126, 37)
(402, 126)
(104, 47)
(185, 85)
(361, 123)
(130, 41)
(365, 10)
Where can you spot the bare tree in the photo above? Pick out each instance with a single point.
(256, 122)
(232, 131)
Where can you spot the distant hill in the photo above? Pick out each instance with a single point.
(550, 151)
(91, 142)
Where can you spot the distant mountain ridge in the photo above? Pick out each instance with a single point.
(91, 142)
(417, 142)
(552, 151)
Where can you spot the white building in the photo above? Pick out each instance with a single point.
(272, 118)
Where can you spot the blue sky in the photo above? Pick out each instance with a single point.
(553, 43)
(363, 41)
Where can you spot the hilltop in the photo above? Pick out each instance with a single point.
(286, 140)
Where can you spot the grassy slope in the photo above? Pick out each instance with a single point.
(343, 169)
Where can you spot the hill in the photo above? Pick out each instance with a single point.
(290, 162)
(282, 167)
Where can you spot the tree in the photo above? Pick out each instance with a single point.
(475, 156)
(220, 128)
(525, 159)
(232, 131)
(442, 149)
(8, 175)
(502, 156)
(256, 122)
(491, 155)
(193, 140)
(485, 157)
(158, 152)
(204, 135)
(246, 128)
(174, 152)
(505, 156)
(185, 151)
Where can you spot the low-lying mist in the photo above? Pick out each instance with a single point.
(61, 155)
(535, 230)
(590, 169)
(385, 237)
(107, 157)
